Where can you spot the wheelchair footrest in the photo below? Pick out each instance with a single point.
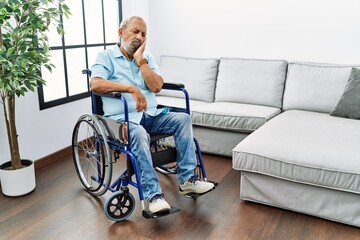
(147, 214)
(214, 182)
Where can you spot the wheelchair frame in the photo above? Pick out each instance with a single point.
(97, 148)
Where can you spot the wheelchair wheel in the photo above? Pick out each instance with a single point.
(92, 155)
(119, 206)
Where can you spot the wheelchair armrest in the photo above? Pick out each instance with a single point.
(173, 86)
(179, 87)
(108, 94)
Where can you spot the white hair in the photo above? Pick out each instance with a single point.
(124, 23)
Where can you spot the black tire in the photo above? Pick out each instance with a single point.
(119, 206)
(92, 155)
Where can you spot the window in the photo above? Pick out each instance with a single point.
(90, 29)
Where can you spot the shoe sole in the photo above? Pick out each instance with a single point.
(160, 210)
(184, 192)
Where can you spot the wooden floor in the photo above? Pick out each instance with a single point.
(59, 208)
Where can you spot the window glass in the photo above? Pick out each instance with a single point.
(111, 27)
(91, 28)
(54, 37)
(73, 26)
(77, 62)
(94, 23)
(55, 87)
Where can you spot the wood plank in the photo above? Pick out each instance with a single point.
(59, 208)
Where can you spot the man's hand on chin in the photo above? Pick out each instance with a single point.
(139, 53)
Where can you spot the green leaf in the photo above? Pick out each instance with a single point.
(25, 43)
(9, 51)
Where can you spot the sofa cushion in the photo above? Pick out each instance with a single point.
(349, 104)
(306, 147)
(314, 86)
(198, 76)
(251, 81)
(228, 116)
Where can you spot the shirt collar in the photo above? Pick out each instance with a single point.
(119, 54)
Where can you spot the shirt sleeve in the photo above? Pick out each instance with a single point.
(102, 67)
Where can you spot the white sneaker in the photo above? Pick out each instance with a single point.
(194, 185)
(158, 204)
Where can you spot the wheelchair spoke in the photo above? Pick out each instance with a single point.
(119, 206)
(92, 156)
(122, 205)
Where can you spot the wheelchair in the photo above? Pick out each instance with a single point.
(96, 146)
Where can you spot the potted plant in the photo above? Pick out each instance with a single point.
(24, 48)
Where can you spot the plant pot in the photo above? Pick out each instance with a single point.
(18, 182)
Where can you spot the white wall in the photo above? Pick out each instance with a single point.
(42, 132)
(139, 8)
(306, 30)
(136, 7)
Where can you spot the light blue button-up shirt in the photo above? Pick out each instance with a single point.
(111, 64)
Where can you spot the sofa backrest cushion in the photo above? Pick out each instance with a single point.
(349, 103)
(251, 81)
(198, 76)
(314, 86)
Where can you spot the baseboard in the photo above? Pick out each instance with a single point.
(51, 158)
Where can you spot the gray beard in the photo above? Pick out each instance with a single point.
(130, 48)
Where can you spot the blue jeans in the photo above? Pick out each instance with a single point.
(180, 125)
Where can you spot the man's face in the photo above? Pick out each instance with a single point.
(133, 35)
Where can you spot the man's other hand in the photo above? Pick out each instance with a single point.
(139, 98)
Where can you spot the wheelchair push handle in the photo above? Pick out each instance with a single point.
(86, 71)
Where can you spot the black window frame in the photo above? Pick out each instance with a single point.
(67, 99)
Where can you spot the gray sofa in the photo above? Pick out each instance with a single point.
(285, 124)
(230, 98)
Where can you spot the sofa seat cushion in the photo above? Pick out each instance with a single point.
(229, 116)
(306, 147)
(177, 102)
